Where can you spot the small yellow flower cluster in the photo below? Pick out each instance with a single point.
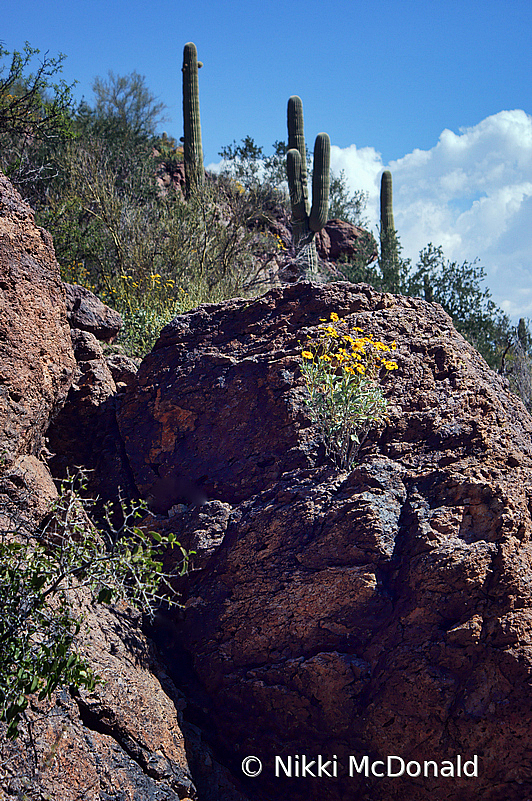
(344, 395)
(362, 355)
(130, 280)
(279, 242)
(77, 273)
(153, 282)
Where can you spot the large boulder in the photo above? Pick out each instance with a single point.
(340, 239)
(384, 612)
(124, 739)
(36, 359)
(87, 312)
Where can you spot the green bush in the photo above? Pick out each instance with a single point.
(35, 115)
(38, 632)
(150, 254)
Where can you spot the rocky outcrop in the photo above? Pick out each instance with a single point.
(124, 740)
(384, 612)
(340, 239)
(84, 434)
(36, 359)
(381, 612)
(86, 312)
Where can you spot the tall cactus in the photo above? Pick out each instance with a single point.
(192, 150)
(306, 220)
(389, 258)
(387, 222)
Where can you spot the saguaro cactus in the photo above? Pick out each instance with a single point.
(192, 150)
(306, 220)
(389, 258)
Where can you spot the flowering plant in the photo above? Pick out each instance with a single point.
(342, 374)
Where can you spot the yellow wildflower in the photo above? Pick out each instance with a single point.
(334, 317)
(307, 354)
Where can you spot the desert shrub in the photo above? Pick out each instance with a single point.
(38, 630)
(35, 115)
(150, 254)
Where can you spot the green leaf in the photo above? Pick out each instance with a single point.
(105, 595)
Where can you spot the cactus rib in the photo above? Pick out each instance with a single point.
(192, 149)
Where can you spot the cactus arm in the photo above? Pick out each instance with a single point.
(293, 171)
(192, 149)
(320, 182)
(296, 140)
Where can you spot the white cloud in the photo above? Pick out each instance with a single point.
(470, 193)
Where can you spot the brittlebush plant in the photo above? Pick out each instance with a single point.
(343, 375)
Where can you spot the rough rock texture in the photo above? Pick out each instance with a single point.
(124, 740)
(26, 492)
(382, 612)
(123, 369)
(121, 741)
(36, 360)
(84, 433)
(340, 238)
(88, 313)
(239, 435)
(171, 175)
(76, 432)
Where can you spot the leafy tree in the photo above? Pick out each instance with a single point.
(457, 287)
(127, 100)
(34, 111)
(342, 205)
(244, 162)
(275, 165)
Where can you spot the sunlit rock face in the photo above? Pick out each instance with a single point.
(380, 612)
(124, 739)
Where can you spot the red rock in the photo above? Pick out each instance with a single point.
(36, 360)
(386, 611)
(124, 739)
(340, 238)
(121, 740)
(87, 312)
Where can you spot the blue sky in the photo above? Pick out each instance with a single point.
(417, 87)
